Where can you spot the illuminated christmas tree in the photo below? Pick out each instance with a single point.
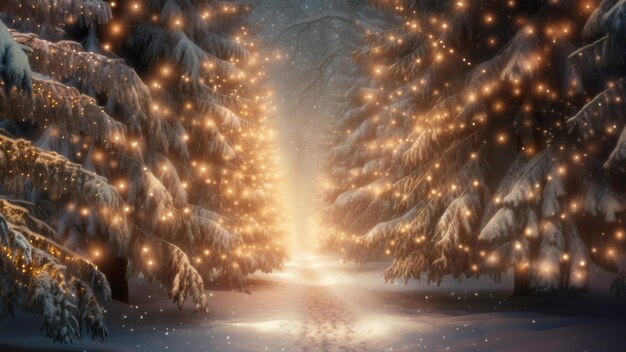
(509, 147)
(40, 274)
(212, 86)
(173, 177)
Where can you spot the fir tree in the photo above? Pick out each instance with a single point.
(213, 86)
(120, 173)
(508, 119)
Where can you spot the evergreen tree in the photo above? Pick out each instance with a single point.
(119, 172)
(212, 86)
(509, 115)
(312, 69)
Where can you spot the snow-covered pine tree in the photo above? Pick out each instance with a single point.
(354, 167)
(201, 61)
(311, 51)
(510, 110)
(364, 142)
(39, 274)
(122, 133)
(112, 148)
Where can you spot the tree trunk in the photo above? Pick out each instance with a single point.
(115, 271)
(521, 281)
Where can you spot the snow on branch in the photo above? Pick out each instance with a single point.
(588, 60)
(408, 267)
(161, 260)
(356, 115)
(184, 227)
(159, 43)
(548, 265)
(53, 103)
(454, 232)
(55, 13)
(111, 77)
(436, 138)
(14, 70)
(74, 264)
(602, 114)
(504, 188)
(423, 178)
(595, 24)
(211, 142)
(213, 102)
(166, 172)
(506, 225)
(50, 280)
(56, 176)
(465, 111)
(356, 200)
(541, 209)
(444, 226)
(202, 31)
(530, 180)
(577, 257)
(615, 162)
(21, 216)
(225, 117)
(598, 199)
(66, 59)
(615, 18)
(385, 230)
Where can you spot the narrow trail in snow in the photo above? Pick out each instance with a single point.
(328, 323)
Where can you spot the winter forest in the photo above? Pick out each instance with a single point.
(312, 175)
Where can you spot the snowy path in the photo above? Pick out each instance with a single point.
(319, 305)
(328, 321)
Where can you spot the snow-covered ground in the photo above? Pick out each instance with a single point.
(317, 304)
